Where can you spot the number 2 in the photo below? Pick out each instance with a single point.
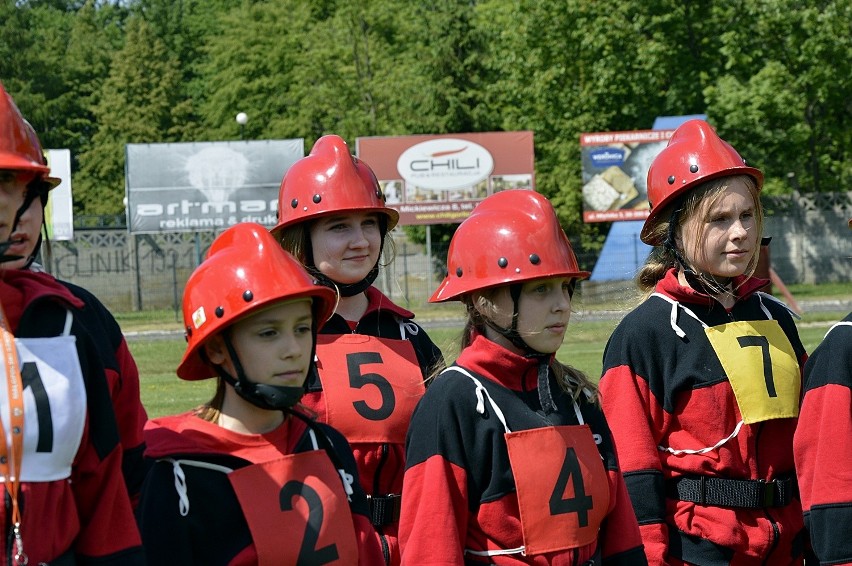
(763, 344)
(580, 503)
(309, 554)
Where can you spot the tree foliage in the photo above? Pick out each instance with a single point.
(772, 75)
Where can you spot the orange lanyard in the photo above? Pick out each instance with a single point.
(10, 467)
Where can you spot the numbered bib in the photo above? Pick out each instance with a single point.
(761, 366)
(563, 489)
(370, 386)
(308, 522)
(54, 406)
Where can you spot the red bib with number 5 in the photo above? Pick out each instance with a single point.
(563, 490)
(308, 522)
(370, 385)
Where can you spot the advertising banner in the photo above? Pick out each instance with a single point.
(205, 186)
(615, 168)
(438, 179)
(59, 213)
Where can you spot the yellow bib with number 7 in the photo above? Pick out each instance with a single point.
(761, 366)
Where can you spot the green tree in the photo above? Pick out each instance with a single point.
(783, 98)
(138, 103)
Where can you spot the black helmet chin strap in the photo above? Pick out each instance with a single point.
(545, 396)
(698, 281)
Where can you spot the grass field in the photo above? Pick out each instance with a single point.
(163, 393)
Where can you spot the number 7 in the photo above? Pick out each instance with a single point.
(763, 343)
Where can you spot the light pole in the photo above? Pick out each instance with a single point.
(242, 118)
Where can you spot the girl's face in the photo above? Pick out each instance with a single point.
(544, 309)
(13, 188)
(346, 246)
(25, 235)
(274, 345)
(723, 242)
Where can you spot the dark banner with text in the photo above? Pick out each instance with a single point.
(205, 186)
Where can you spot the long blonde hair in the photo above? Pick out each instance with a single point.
(696, 203)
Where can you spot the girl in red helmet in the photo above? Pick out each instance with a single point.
(373, 359)
(60, 458)
(509, 457)
(823, 445)
(249, 478)
(702, 381)
(119, 366)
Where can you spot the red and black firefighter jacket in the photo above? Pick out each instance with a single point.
(823, 446)
(369, 380)
(702, 402)
(73, 499)
(470, 498)
(214, 496)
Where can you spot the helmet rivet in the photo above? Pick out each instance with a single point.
(693, 168)
(317, 199)
(534, 259)
(294, 203)
(517, 270)
(248, 296)
(503, 262)
(458, 272)
(305, 209)
(671, 180)
(220, 312)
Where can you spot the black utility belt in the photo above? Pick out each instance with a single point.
(384, 509)
(726, 492)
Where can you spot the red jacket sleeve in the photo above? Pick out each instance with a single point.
(620, 533)
(107, 524)
(433, 521)
(626, 401)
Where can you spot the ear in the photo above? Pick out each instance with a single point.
(215, 350)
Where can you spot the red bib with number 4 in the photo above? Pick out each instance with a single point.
(309, 522)
(563, 490)
(370, 385)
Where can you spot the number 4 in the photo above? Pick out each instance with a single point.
(580, 503)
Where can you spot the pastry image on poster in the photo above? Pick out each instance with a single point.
(609, 190)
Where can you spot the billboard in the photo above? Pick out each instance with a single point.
(615, 168)
(59, 213)
(205, 186)
(438, 179)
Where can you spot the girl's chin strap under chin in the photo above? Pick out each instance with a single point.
(545, 397)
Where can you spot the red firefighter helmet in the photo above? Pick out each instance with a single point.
(20, 149)
(510, 237)
(327, 181)
(695, 154)
(245, 270)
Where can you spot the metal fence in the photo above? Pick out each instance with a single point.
(810, 243)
